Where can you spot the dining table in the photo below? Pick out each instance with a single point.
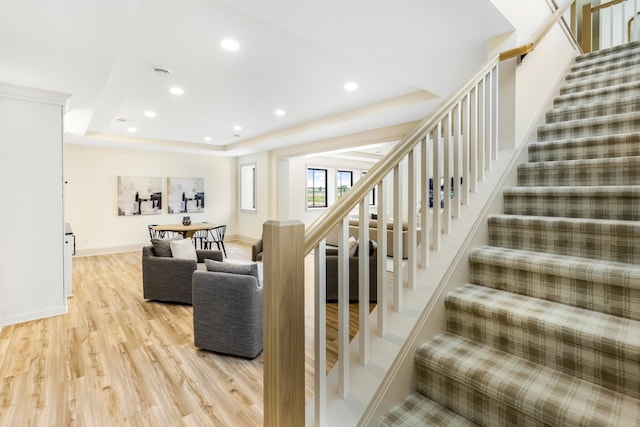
(185, 230)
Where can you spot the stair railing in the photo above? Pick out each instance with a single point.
(609, 24)
(452, 148)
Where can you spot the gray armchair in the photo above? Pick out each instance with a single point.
(227, 313)
(256, 251)
(332, 276)
(165, 278)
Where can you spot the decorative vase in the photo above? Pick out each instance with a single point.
(186, 220)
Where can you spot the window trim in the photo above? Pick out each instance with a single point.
(326, 183)
(253, 188)
(337, 187)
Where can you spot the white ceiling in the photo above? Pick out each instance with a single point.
(294, 55)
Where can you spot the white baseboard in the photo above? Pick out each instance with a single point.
(34, 315)
(109, 250)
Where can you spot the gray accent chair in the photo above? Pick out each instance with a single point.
(169, 279)
(227, 313)
(332, 276)
(256, 251)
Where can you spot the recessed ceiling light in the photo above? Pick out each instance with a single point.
(176, 90)
(280, 113)
(351, 86)
(132, 129)
(230, 45)
(237, 128)
(150, 114)
(207, 138)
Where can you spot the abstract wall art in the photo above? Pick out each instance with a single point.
(139, 195)
(186, 195)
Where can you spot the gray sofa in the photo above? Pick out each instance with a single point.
(332, 276)
(227, 313)
(354, 231)
(165, 278)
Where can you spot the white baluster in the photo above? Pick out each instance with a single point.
(397, 238)
(446, 162)
(466, 130)
(473, 143)
(496, 103)
(482, 105)
(488, 140)
(363, 280)
(436, 230)
(320, 331)
(343, 308)
(411, 220)
(382, 259)
(456, 162)
(424, 197)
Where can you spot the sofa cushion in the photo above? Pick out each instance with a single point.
(162, 247)
(353, 246)
(183, 249)
(248, 268)
(372, 248)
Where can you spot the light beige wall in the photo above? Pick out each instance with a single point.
(91, 193)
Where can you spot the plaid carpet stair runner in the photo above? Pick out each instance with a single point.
(616, 171)
(604, 286)
(591, 147)
(574, 202)
(547, 332)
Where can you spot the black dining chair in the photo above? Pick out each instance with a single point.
(216, 235)
(200, 237)
(155, 234)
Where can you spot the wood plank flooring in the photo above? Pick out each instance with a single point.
(117, 360)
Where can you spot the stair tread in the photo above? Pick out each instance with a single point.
(585, 72)
(585, 148)
(609, 79)
(591, 121)
(419, 410)
(594, 225)
(591, 109)
(579, 163)
(586, 95)
(602, 332)
(613, 54)
(578, 190)
(547, 395)
(600, 271)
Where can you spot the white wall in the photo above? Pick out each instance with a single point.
(92, 172)
(31, 218)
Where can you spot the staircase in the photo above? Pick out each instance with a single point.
(547, 332)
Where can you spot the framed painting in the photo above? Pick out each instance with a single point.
(186, 195)
(139, 195)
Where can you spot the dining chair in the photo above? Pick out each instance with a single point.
(201, 237)
(216, 235)
(155, 234)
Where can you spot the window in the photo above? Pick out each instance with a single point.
(344, 181)
(316, 188)
(372, 194)
(248, 187)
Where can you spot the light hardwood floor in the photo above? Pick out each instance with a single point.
(117, 360)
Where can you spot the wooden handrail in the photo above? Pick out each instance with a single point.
(331, 217)
(529, 47)
(605, 5)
